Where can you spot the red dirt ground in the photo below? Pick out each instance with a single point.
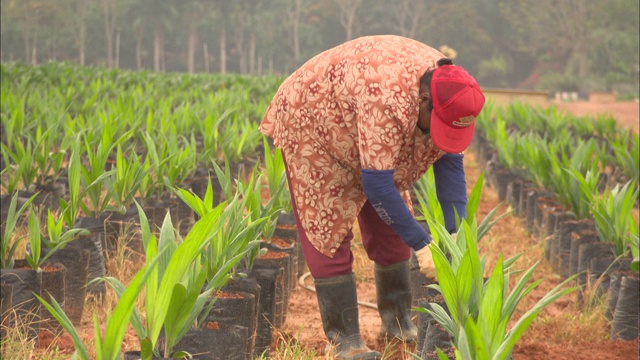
(549, 337)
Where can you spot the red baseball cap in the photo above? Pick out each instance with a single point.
(457, 101)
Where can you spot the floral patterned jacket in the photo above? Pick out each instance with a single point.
(351, 107)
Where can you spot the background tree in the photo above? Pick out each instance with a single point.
(292, 23)
(572, 45)
(112, 10)
(224, 9)
(78, 21)
(559, 35)
(613, 52)
(194, 11)
(408, 15)
(348, 10)
(28, 10)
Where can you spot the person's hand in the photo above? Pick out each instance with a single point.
(425, 261)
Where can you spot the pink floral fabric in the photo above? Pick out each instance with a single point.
(351, 107)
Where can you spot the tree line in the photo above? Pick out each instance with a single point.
(568, 45)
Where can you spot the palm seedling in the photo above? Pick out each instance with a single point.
(95, 173)
(613, 214)
(125, 182)
(108, 343)
(8, 249)
(174, 295)
(24, 169)
(480, 312)
(276, 176)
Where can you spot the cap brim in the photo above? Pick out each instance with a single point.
(448, 139)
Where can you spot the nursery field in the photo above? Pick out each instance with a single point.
(562, 330)
(193, 215)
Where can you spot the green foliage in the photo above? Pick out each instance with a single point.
(48, 155)
(59, 237)
(487, 337)
(173, 293)
(208, 128)
(21, 167)
(239, 139)
(613, 214)
(107, 346)
(626, 150)
(94, 175)
(251, 193)
(126, 181)
(183, 159)
(553, 81)
(480, 312)
(276, 176)
(578, 191)
(236, 237)
(174, 286)
(7, 260)
(425, 190)
(432, 210)
(493, 72)
(225, 179)
(71, 208)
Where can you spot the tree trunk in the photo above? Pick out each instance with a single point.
(347, 15)
(108, 9)
(163, 53)
(582, 40)
(82, 30)
(52, 44)
(191, 52)
(239, 46)
(157, 43)
(408, 14)
(34, 55)
(294, 16)
(205, 51)
(252, 53)
(139, 36)
(117, 62)
(223, 51)
(26, 31)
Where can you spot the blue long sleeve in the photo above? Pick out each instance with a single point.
(451, 188)
(382, 194)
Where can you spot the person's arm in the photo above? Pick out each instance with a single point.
(386, 199)
(451, 188)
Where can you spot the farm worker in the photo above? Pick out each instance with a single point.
(358, 125)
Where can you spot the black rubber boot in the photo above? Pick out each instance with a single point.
(339, 311)
(393, 290)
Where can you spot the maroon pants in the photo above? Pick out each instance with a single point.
(382, 244)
